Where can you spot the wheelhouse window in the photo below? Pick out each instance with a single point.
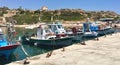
(1, 37)
(47, 31)
(60, 26)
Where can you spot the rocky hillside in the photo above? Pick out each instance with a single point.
(25, 16)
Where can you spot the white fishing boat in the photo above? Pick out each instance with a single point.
(45, 36)
(60, 31)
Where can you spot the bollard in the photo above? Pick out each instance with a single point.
(63, 49)
(26, 62)
(97, 39)
(83, 43)
(49, 54)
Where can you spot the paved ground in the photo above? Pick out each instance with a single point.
(106, 51)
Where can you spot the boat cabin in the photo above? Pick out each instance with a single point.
(90, 26)
(90, 29)
(57, 28)
(44, 33)
(109, 21)
(3, 42)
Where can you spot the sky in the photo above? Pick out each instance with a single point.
(88, 5)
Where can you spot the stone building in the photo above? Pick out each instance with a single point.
(44, 8)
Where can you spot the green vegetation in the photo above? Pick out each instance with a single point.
(26, 19)
(71, 16)
(31, 17)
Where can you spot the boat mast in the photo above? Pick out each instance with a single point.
(11, 30)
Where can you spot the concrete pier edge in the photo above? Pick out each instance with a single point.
(106, 51)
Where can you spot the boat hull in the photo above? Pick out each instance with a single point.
(77, 37)
(51, 42)
(7, 50)
(106, 31)
(90, 34)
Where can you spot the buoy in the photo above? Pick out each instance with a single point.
(35, 44)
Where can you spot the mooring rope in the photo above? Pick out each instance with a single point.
(23, 49)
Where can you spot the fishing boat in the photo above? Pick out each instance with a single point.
(101, 28)
(76, 32)
(45, 36)
(107, 25)
(89, 31)
(7, 40)
(6, 47)
(60, 31)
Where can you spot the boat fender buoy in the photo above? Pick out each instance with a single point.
(27, 39)
(18, 42)
(35, 44)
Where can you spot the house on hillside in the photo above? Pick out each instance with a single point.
(44, 8)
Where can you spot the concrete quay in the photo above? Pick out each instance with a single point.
(106, 51)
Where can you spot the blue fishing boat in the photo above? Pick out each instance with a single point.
(89, 30)
(7, 42)
(6, 48)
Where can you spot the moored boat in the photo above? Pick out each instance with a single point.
(59, 30)
(76, 32)
(45, 36)
(6, 48)
(88, 30)
(101, 28)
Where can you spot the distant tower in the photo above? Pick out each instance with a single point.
(44, 8)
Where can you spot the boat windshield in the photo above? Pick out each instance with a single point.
(1, 37)
(47, 31)
(86, 28)
(55, 28)
(60, 26)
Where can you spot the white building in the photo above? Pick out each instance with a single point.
(44, 8)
